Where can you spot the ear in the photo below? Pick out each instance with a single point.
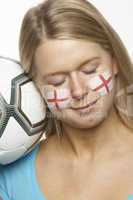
(115, 66)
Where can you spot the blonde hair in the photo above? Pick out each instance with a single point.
(76, 19)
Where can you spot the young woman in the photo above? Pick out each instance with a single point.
(84, 73)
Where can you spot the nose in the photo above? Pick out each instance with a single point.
(78, 88)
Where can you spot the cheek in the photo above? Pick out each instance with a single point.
(107, 101)
(102, 83)
(56, 99)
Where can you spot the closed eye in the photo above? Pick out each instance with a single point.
(56, 80)
(90, 72)
(58, 84)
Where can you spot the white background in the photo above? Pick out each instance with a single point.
(118, 13)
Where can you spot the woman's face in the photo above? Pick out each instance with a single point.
(72, 74)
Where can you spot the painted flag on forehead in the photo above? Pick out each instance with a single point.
(58, 98)
(102, 83)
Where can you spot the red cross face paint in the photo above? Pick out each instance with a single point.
(57, 99)
(102, 83)
(60, 98)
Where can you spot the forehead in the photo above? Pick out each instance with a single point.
(57, 55)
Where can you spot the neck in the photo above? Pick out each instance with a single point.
(90, 142)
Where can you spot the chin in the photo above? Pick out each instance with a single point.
(80, 125)
(86, 121)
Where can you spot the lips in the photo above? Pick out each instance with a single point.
(86, 105)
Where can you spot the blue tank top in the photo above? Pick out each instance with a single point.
(18, 179)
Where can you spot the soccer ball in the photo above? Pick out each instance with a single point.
(23, 121)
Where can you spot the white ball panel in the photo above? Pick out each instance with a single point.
(9, 70)
(32, 105)
(32, 140)
(11, 155)
(14, 136)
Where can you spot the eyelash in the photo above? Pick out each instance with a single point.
(58, 84)
(90, 72)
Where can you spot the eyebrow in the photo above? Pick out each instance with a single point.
(79, 66)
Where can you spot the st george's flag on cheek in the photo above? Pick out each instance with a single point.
(57, 99)
(102, 83)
